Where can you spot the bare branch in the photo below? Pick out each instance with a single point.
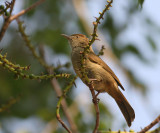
(26, 10)
(7, 20)
(95, 102)
(11, 18)
(12, 5)
(58, 90)
(150, 125)
(59, 103)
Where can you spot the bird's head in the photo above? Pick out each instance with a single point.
(77, 40)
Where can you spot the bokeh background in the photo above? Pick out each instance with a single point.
(130, 33)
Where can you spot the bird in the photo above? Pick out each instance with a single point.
(100, 74)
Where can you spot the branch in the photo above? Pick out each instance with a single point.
(97, 22)
(157, 130)
(116, 131)
(26, 10)
(7, 20)
(150, 125)
(59, 103)
(50, 70)
(131, 131)
(28, 43)
(58, 90)
(11, 18)
(17, 70)
(83, 58)
(11, 8)
(89, 83)
(32, 76)
(94, 35)
(95, 102)
(4, 61)
(101, 52)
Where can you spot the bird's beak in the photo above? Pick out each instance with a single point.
(66, 36)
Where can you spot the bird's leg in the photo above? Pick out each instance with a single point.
(91, 82)
(97, 93)
(97, 99)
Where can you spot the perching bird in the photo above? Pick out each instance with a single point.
(102, 77)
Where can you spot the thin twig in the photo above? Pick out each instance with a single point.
(11, 18)
(21, 29)
(89, 83)
(26, 10)
(7, 21)
(58, 90)
(101, 52)
(95, 102)
(4, 60)
(67, 112)
(150, 125)
(58, 116)
(11, 9)
(59, 103)
(18, 73)
(63, 124)
(97, 22)
(17, 70)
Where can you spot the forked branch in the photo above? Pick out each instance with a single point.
(13, 17)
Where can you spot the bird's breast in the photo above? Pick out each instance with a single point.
(76, 58)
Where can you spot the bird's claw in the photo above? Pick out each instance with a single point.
(96, 100)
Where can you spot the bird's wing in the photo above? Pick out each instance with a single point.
(94, 58)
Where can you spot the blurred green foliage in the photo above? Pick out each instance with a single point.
(44, 25)
(140, 2)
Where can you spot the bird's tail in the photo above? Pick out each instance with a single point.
(125, 108)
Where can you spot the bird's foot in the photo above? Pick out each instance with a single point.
(96, 100)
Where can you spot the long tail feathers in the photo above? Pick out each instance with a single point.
(125, 108)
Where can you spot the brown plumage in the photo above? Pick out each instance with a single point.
(103, 78)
